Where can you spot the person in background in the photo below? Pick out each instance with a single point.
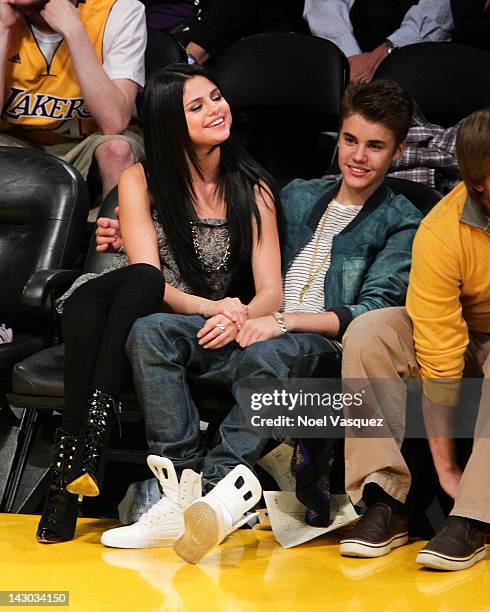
(368, 30)
(69, 75)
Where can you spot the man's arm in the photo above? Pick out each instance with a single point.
(441, 338)
(8, 19)
(427, 21)
(109, 101)
(330, 19)
(265, 328)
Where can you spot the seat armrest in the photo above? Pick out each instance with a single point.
(44, 282)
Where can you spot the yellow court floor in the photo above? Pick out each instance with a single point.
(250, 571)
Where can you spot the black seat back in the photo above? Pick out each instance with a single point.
(284, 90)
(162, 49)
(448, 80)
(43, 207)
(422, 196)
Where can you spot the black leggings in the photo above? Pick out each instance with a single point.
(97, 319)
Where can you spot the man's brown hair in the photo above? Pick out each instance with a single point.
(473, 150)
(380, 101)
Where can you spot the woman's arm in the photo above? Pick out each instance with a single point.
(266, 259)
(136, 225)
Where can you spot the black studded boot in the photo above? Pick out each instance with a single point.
(60, 512)
(96, 436)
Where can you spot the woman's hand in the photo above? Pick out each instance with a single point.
(255, 330)
(231, 308)
(218, 331)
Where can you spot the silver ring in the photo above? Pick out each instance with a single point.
(221, 327)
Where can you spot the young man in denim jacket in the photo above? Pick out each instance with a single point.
(347, 251)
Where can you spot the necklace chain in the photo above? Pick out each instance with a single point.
(314, 268)
(222, 264)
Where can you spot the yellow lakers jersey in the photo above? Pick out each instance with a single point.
(44, 102)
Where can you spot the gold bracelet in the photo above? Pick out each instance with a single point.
(279, 317)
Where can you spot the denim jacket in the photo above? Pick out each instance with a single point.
(370, 259)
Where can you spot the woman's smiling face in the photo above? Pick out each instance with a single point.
(207, 113)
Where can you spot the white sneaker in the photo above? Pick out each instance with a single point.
(164, 521)
(210, 519)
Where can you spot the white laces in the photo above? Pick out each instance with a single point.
(164, 506)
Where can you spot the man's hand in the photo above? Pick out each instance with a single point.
(62, 16)
(364, 65)
(218, 331)
(9, 16)
(108, 234)
(261, 328)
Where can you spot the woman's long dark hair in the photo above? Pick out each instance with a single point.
(168, 148)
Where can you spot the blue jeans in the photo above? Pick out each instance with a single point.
(165, 355)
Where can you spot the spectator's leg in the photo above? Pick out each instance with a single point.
(97, 319)
(461, 542)
(164, 352)
(473, 495)
(288, 356)
(378, 357)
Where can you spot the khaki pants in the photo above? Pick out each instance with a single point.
(379, 345)
(79, 153)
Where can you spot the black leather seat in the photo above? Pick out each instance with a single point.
(448, 80)
(422, 196)
(43, 208)
(285, 89)
(162, 49)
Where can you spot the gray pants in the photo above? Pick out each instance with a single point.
(379, 345)
(165, 355)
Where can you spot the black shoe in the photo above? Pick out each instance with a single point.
(96, 436)
(60, 512)
(376, 534)
(457, 546)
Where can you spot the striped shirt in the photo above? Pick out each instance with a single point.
(339, 216)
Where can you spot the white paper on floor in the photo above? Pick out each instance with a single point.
(286, 515)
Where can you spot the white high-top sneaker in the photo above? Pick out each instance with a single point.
(211, 518)
(164, 521)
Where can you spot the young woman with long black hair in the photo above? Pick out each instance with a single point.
(197, 219)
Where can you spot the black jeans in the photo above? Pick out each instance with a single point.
(97, 319)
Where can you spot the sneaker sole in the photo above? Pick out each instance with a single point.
(157, 543)
(200, 535)
(436, 560)
(363, 548)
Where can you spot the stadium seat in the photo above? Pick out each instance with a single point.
(43, 208)
(285, 89)
(162, 49)
(448, 80)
